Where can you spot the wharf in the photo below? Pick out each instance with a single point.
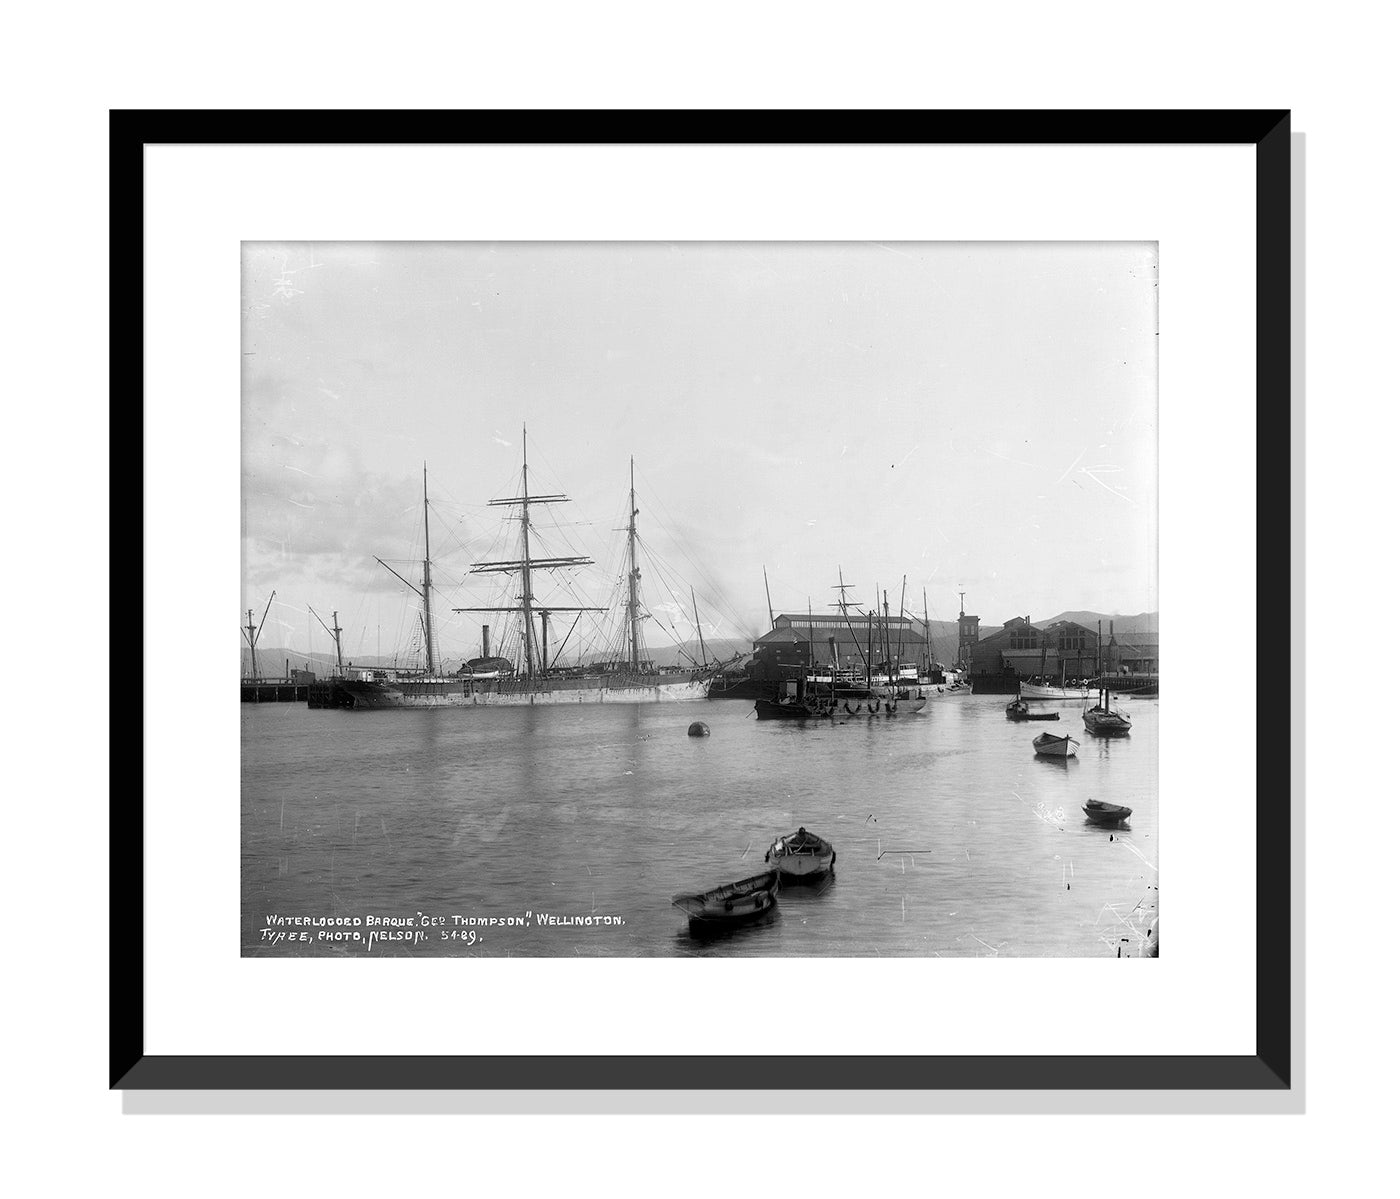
(272, 693)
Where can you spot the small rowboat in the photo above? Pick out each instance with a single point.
(1047, 745)
(1106, 813)
(801, 857)
(731, 904)
(1019, 710)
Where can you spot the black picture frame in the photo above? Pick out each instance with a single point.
(1270, 1069)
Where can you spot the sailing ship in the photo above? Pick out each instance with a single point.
(889, 686)
(492, 680)
(1101, 719)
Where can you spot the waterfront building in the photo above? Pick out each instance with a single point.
(968, 633)
(1064, 649)
(823, 638)
(1022, 650)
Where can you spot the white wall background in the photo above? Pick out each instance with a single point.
(67, 67)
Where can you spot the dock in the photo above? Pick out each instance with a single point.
(273, 692)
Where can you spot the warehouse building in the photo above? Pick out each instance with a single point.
(820, 639)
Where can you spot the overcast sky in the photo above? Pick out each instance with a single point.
(978, 417)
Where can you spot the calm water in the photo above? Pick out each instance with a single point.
(952, 838)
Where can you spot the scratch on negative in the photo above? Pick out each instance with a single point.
(892, 250)
(1069, 469)
(1091, 472)
(1125, 842)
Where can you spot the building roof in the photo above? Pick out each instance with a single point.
(798, 635)
(1019, 624)
(777, 636)
(855, 619)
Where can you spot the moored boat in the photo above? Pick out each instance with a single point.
(1103, 721)
(1047, 745)
(787, 707)
(799, 698)
(1051, 691)
(895, 698)
(801, 857)
(731, 904)
(1018, 709)
(1106, 813)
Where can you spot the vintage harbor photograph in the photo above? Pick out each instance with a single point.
(756, 599)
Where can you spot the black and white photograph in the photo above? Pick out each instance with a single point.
(700, 599)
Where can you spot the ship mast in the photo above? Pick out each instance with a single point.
(634, 574)
(526, 596)
(928, 644)
(335, 631)
(525, 565)
(889, 678)
(699, 632)
(843, 606)
(426, 593)
(252, 634)
(427, 582)
(900, 653)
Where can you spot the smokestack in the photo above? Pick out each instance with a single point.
(486, 641)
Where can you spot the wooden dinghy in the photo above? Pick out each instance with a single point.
(1047, 745)
(1106, 813)
(731, 904)
(801, 857)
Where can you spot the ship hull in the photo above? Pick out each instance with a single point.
(466, 693)
(1035, 691)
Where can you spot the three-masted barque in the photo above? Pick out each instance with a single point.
(491, 681)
